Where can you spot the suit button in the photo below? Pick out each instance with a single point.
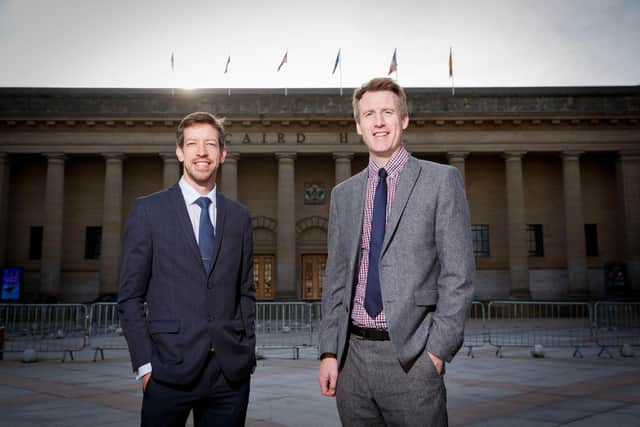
(346, 308)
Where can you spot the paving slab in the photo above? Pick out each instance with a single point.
(515, 390)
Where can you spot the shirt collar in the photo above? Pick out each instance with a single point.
(191, 195)
(394, 166)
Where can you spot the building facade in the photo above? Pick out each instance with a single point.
(552, 177)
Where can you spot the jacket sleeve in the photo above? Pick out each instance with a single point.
(457, 266)
(135, 273)
(247, 288)
(334, 285)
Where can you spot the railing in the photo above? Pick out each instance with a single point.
(295, 325)
(105, 332)
(616, 324)
(44, 327)
(287, 325)
(551, 324)
(475, 332)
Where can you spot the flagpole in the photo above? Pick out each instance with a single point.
(226, 69)
(340, 65)
(453, 82)
(173, 75)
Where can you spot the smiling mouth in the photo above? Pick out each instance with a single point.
(380, 134)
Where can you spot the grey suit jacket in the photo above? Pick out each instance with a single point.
(427, 259)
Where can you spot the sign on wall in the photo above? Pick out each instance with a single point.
(11, 283)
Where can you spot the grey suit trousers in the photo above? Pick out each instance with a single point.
(374, 390)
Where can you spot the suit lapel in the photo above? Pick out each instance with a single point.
(404, 187)
(355, 218)
(219, 230)
(181, 213)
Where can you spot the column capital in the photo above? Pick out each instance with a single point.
(55, 156)
(513, 155)
(113, 156)
(455, 155)
(346, 156)
(168, 156)
(233, 156)
(285, 156)
(572, 154)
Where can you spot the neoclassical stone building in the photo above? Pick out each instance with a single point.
(552, 177)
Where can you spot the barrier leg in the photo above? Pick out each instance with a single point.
(604, 349)
(64, 355)
(470, 352)
(499, 352)
(577, 352)
(95, 354)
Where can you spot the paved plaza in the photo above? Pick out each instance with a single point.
(516, 390)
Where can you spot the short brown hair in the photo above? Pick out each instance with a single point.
(376, 85)
(200, 117)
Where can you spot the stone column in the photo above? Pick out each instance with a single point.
(111, 223)
(170, 169)
(230, 176)
(4, 206)
(574, 225)
(628, 182)
(457, 159)
(286, 238)
(50, 266)
(342, 166)
(516, 227)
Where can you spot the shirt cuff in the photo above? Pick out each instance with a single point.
(142, 371)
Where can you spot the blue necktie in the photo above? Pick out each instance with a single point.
(373, 297)
(205, 233)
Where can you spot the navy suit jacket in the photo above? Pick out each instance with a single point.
(188, 310)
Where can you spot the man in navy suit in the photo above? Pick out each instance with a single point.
(187, 252)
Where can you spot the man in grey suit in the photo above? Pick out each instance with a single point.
(399, 276)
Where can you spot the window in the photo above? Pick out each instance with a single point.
(35, 242)
(480, 239)
(591, 239)
(536, 242)
(92, 242)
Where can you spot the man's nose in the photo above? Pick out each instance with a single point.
(379, 119)
(202, 150)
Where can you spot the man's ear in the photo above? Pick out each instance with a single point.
(358, 127)
(179, 154)
(405, 121)
(223, 155)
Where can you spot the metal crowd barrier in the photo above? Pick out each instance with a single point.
(295, 325)
(551, 324)
(475, 332)
(287, 325)
(105, 332)
(44, 327)
(616, 324)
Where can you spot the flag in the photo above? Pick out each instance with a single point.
(284, 60)
(450, 62)
(172, 61)
(394, 63)
(226, 67)
(335, 66)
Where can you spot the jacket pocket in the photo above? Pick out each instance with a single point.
(423, 297)
(166, 340)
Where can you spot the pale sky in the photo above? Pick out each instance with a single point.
(128, 43)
